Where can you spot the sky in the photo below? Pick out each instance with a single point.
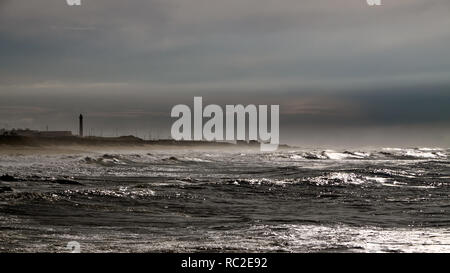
(343, 73)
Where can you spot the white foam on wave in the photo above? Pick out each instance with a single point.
(401, 173)
(421, 154)
(194, 159)
(377, 179)
(430, 149)
(425, 153)
(120, 192)
(343, 178)
(263, 181)
(392, 149)
(337, 178)
(314, 155)
(335, 155)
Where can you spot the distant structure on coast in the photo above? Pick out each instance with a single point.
(35, 133)
(80, 133)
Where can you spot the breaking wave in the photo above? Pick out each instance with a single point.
(385, 153)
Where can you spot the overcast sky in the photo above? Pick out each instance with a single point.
(343, 73)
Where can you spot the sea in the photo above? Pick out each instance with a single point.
(219, 200)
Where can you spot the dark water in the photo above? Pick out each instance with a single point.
(184, 201)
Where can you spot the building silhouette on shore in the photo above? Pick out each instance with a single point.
(36, 133)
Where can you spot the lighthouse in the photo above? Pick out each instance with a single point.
(81, 126)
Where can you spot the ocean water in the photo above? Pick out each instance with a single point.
(385, 200)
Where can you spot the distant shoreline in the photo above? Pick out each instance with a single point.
(70, 144)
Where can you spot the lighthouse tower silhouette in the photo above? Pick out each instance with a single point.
(81, 126)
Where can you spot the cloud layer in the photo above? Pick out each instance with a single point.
(325, 62)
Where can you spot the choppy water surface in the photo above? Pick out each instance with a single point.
(184, 201)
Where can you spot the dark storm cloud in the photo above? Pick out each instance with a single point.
(333, 63)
